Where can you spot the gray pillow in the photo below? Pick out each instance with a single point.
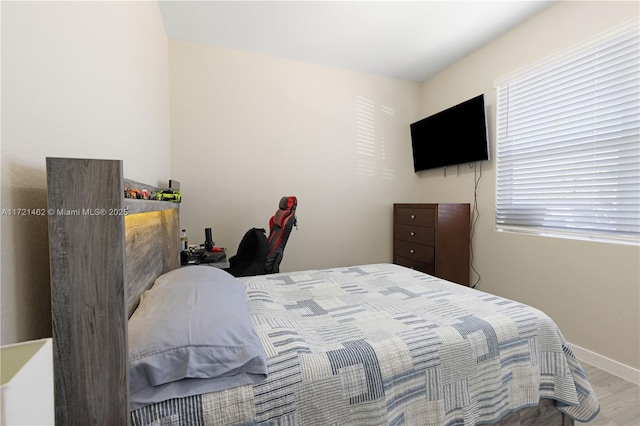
(193, 323)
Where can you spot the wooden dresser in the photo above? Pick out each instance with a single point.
(433, 238)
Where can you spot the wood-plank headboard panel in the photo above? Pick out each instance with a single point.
(151, 250)
(104, 251)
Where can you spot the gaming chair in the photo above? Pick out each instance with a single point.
(280, 226)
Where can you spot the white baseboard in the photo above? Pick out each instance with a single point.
(616, 368)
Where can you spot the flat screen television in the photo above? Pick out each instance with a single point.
(456, 135)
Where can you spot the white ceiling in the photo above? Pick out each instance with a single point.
(412, 40)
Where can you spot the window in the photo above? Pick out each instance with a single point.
(568, 144)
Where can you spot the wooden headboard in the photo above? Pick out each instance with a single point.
(151, 249)
(104, 252)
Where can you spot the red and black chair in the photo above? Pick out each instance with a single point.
(280, 226)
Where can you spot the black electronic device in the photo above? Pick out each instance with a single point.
(200, 256)
(214, 257)
(453, 136)
(208, 239)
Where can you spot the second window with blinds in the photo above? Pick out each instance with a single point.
(568, 144)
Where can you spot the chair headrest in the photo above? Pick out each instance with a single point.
(288, 203)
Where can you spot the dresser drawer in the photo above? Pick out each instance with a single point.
(414, 264)
(416, 234)
(419, 252)
(417, 217)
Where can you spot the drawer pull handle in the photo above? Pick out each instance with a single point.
(413, 216)
(413, 234)
(412, 251)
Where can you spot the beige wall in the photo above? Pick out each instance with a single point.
(90, 79)
(79, 79)
(591, 289)
(247, 129)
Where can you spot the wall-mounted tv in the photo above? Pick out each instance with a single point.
(456, 135)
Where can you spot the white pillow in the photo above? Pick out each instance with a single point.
(193, 323)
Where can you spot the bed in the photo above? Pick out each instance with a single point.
(372, 345)
(363, 345)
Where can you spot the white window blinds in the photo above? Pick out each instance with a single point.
(568, 145)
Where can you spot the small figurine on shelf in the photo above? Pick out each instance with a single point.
(169, 195)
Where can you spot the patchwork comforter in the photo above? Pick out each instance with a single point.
(383, 344)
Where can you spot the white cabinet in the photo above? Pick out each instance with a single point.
(27, 383)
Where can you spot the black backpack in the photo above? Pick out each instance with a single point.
(251, 256)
